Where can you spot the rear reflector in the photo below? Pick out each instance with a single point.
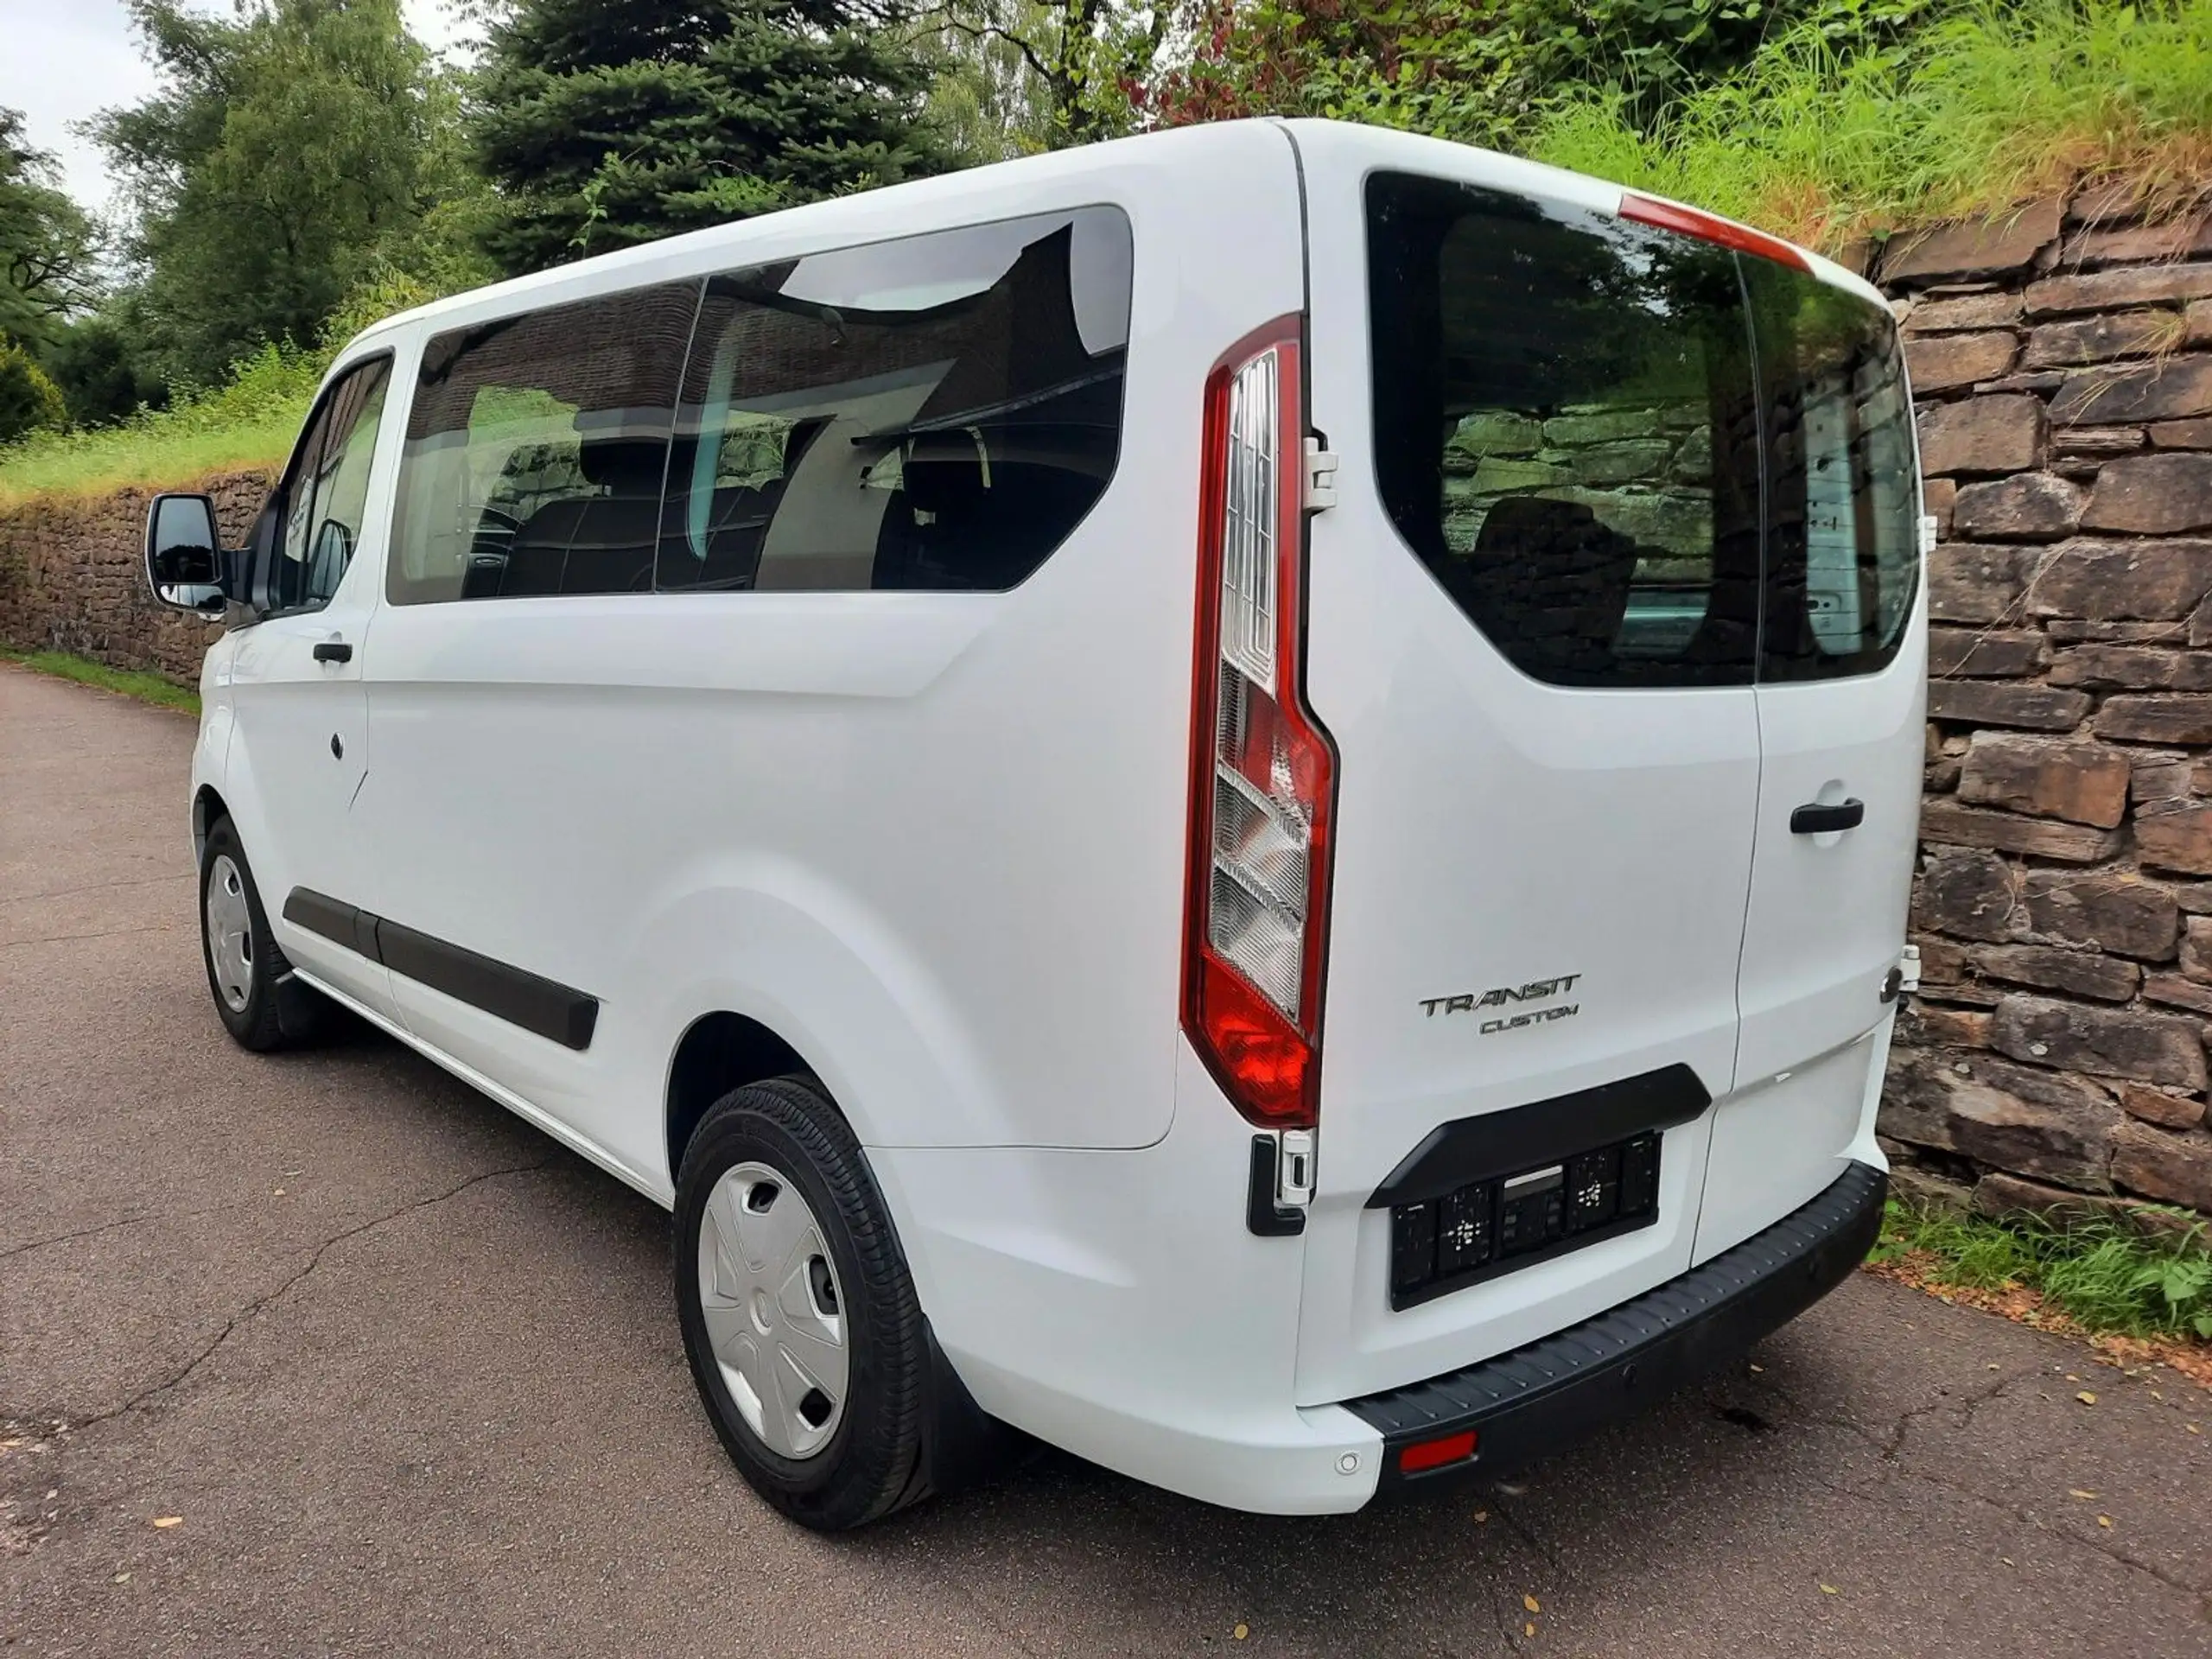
(1710, 227)
(1424, 1455)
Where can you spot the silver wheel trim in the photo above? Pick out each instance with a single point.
(230, 934)
(774, 1310)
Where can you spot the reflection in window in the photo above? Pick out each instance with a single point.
(939, 411)
(329, 491)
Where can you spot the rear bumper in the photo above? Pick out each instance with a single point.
(1523, 1405)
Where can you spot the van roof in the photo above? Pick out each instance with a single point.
(918, 205)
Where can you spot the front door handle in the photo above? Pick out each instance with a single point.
(332, 651)
(1818, 820)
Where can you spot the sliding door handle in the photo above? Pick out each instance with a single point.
(1818, 820)
(332, 651)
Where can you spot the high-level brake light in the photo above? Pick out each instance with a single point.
(1263, 772)
(1710, 227)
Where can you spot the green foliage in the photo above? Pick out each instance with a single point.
(2105, 1277)
(292, 150)
(97, 362)
(126, 681)
(1825, 137)
(29, 399)
(606, 123)
(49, 248)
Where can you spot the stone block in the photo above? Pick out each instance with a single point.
(1995, 702)
(2149, 495)
(1599, 426)
(1993, 246)
(1932, 1023)
(2167, 388)
(1998, 434)
(1968, 583)
(2173, 1169)
(1969, 895)
(1917, 1098)
(2116, 581)
(1497, 434)
(2196, 323)
(2175, 838)
(1936, 497)
(2177, 717)
(1620, 461)
(2119, 913)
(1946, 823)
(2099, 338)
(1948, 362)
(2103, 1042)
(2112, 290)
(2168, 1111)
(1985, 653)
(2098, 440)
(2139, 244)
(2078, 973)
(2074, 630)
(2025, 507)
(2130, 667)
(2172, 991)
(2101, 200)
(2083, 783)
(2196, 948)
(2181, 434)
(1967, 313)
(1941, 962)
(2018, 1118)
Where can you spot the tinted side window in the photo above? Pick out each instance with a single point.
(534, 451)
(327, 491)
(939, 411)
(1565, 431)
(1843, 555)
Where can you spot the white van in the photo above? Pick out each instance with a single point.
(1243, 799)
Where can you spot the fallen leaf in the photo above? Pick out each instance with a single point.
(2087, 1398)
(1528, 1630)
(278, 1193)
(1830, 1590)
(168, 1520)
(2104, 1521)
(1989, 1368)
(1242, 1631)
(121, 1577)
(1481, 1516)
(56, 1492)
(1531, 1603)
(2075, 1491)
(2008, 1559)
(1758, 1370)
(2192, 1428)
(1512, 1491)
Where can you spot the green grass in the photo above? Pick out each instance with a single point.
(1993, 105)
(126, 681)
(2105, 1277)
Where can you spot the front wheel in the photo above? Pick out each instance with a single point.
(799, 1316)
(258, 999)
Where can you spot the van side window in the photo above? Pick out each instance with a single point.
(1843, 555)
(327, 492)
(535, 450)
(1566, 432)
(935, 412)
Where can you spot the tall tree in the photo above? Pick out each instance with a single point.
(1052, 72)
(293, 147)
(49, 250)
(605, 122)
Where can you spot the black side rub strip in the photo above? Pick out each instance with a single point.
(1528, 1403)
(551, 1009)
(1470, 1149)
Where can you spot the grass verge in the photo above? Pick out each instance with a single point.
(1999, 102)
(124, 682)
(2138, 1298)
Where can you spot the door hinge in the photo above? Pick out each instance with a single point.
(1294, 1169)
(1320, 476)
(1283, 1184)
(1927, 534)
(1908, 969)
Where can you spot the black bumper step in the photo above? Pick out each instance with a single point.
(1526, 1404)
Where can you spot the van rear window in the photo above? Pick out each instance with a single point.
(1569, 421)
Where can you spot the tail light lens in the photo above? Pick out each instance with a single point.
(1262, 771)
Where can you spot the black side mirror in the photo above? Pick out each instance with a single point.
(184, 558)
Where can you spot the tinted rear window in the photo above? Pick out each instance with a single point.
(1570, 415)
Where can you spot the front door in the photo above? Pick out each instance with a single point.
(300, 749)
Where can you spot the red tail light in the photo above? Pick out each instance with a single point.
(1262, 773)
(1709, 227)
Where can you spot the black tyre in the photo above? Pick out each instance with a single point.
(259, 1000)
(799, 1316)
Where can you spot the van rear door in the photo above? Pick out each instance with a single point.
(1532, 638)
(1841, 695)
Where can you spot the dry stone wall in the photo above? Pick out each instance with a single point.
(72, 578)
(2063, 359)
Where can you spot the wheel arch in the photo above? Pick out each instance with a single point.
(206, 806)
(719, 1051)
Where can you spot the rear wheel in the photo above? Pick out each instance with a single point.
(258, 999)
(799, 1316)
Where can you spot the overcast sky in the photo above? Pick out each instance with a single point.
(62, 60)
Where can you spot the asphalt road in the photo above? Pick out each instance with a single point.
(408, 1374)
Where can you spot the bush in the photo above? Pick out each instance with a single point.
(29, 401)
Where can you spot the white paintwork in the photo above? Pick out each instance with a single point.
(936, 842)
